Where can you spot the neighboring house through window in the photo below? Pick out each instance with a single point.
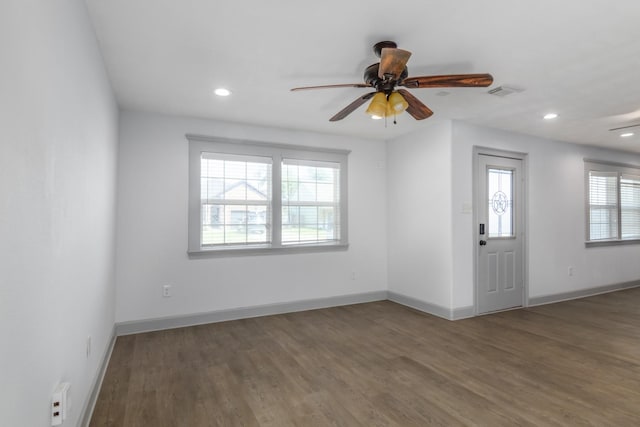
(248, 197)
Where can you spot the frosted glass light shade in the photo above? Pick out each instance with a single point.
(378, 105)
(397, 103)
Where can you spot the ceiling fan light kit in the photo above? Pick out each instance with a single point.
(385, 77)
(378, 105)
(396, 103)
(387, 106)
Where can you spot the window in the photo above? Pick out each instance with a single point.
(310, 201)
(613, 202)
(500, 206)
(630, 206)
(235, 199)
(250, 198)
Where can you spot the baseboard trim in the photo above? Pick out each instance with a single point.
(171, 322)
(462, 312)
(427, 307)
(90, 404)
(149, 325)
(566, 296)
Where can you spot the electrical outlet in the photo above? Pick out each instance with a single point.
(166, 291)
(56, 414)
(59, 404)
(570, 271)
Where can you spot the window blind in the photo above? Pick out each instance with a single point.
(603, 205)
(630, 206)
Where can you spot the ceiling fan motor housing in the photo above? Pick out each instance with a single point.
(371, 74)
(387, 86)
(377, 48)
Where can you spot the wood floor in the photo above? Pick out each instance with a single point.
(382, 364)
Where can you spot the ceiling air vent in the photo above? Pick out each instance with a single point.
(503, 91)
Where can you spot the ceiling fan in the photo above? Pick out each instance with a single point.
(389, 74)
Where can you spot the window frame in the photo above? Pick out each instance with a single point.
(277, 152)
(619, 169)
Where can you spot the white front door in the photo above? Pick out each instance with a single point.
(500, 233)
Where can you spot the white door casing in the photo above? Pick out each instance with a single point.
(499, 233)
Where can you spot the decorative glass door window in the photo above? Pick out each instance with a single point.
(500, 202)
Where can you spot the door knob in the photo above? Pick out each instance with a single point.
(483, 242)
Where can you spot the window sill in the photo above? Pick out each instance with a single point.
(598, 243)
(265, 250)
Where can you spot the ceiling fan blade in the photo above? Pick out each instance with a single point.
(625, 127)
(331, 86)
(416, 108)
(392, 62)
(450, 80)
(351, 107)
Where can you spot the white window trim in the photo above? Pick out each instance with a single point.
(200, 143)
(604, 166)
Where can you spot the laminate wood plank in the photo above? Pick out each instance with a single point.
(320, 409)
(568, 377)
(267, 400)
(382, 364)
(115, 384)
(226, 402)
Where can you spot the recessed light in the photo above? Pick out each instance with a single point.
(550, 116)
(626, 135)
(222, 92)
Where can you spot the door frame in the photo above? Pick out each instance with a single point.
(523, 157)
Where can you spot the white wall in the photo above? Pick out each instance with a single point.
(419, 214)
(556, 217)
(58, 131)
(152, 227)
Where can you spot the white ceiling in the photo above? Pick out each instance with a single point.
(579, 58)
